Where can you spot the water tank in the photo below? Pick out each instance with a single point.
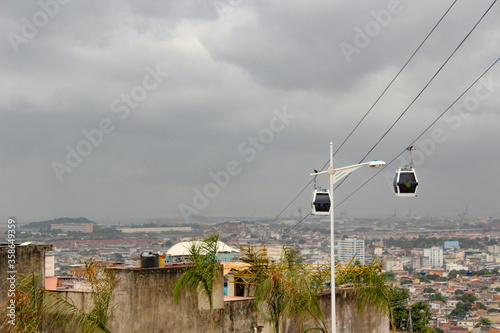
(150, 260)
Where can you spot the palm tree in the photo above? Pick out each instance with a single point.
(369, 284)
(286, 288)
(201, 276)
(38, 309)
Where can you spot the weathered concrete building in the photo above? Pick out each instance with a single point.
(22, 259)
(144, 302)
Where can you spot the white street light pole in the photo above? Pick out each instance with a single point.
(336, 175)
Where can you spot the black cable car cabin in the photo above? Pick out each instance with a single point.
(405, 182)
(321, 202)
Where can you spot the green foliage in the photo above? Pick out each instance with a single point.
(287, 288)
(369, 283)
(389, 276)
(482, 272)
(461, 309)
(404, 282)
(45, 225)
(37, 307)
(421, 315)
(483, 321)
(424, 279)
(428, 330)
(429, 290)
(438, 330)
(458, 312)
(398, 302)
(428, 242)
(481, 306)
(459, 292)
(438, 297)
(202, 274)
(432, 277)
(468, 298)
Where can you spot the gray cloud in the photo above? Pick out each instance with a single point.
(228, 71)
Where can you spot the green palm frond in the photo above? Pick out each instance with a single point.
(286, 288)
(38, 309)
(201, 276)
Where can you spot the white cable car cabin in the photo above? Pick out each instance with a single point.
(405, 182)
(321, 202)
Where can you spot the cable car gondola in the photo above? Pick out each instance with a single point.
(405, 181)
(321, 202)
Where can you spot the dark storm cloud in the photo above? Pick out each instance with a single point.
(230, 67)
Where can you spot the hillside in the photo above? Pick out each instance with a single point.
(45, 225)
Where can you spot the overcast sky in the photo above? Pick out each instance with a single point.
(119, 110)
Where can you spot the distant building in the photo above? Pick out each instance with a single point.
(129, 230)
(73, 227)
(347, 248)
(457, 267)
(420, 262)
(435, 255)
(180, 252)
(393, 264)
(453, 244)
(494, 249)
(266, 252)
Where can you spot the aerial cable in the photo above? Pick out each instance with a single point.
(413, 142)
(369, 110)
(421, 134)
(424, 88)
(394, 79)
(286, 232)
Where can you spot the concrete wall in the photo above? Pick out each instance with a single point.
(29, 259)
(146, 304)
(239, 316)
(371, 320)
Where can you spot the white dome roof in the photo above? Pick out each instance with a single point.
(182, 249)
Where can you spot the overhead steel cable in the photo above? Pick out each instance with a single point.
(286, 232)
(415, 140)
(394, 79)
(423, 89)
(421, 134)
(370, 109)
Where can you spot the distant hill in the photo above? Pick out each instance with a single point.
(45, 225)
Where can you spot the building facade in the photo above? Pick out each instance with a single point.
(347, 248)
(435, 255)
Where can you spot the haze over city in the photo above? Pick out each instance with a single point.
(124, 110)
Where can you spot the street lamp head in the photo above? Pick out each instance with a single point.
(376, 164)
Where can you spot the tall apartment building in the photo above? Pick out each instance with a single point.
(435, 255)
(347, 248)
